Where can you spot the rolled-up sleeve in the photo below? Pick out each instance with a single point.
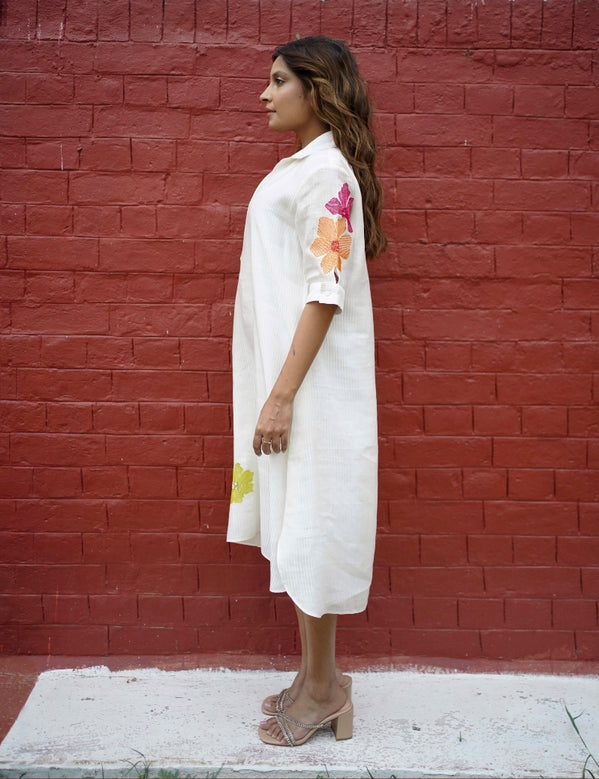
(323, 225)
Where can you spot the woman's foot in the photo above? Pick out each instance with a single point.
(289, 694)
(310, 709)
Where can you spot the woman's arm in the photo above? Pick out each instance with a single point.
(274, 421)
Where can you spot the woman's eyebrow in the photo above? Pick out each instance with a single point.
(278, 73)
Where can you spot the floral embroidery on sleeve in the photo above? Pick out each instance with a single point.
(332, 241)
(243, 483)
(342, 205)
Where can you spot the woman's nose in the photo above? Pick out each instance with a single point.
(264, 96)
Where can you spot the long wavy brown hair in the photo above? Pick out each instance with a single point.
(339, 96)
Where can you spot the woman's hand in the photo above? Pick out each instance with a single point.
(274, 423)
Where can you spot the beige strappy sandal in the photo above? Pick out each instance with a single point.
(342, 723)
(283, 698)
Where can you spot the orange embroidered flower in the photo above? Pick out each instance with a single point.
(332, 242)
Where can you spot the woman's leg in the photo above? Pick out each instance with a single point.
(320, 694)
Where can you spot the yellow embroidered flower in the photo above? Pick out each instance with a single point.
(243, 483)
(331, 242)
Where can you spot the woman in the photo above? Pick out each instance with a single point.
(303, 348)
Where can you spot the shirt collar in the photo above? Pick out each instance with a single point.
(323, 141)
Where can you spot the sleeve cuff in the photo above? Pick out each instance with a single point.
(319, 292)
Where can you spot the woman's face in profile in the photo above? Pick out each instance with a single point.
(288, 106)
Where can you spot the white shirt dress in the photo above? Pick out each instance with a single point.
(312, 509)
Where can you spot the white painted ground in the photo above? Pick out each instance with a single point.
(93, 722)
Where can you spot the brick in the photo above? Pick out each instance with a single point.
(526, 453)
(107, 548)
(52, 253)
(156, 352)
(439, 483)
(448, 356)
(66, 609)
(145, 90)
(146, 58)
(534, 550)
(436, 388)
(530, 614)
(546, 228)
(585, 165)
(153, 386)
(17, 548)
(578, 551)
(164, 578)
(153, 483)
(491, 224)
(153, 154)
(531, 484)
(49, 89)
(582, 102)
(402, 24)
(152, 515)
(438, 451)
(198, 222)
(205, 610)
(60, 515)
(490, 549)
(57, 449)
(107, 188)
(586, 24)
(539, 101)
(96, 220)
(108, 609)
(531, 517)
(574, 614)
(544, 164)
(480, 613)
(397, 483)
(57, 482)
(20, 350)
(66, 579)
(105, 481)
(543, 389)
(145, 255)
(532, 581)
(178, 18)
(528, 644)
(447, 420)
(443, 550)
(435, 613)
(98, 89)
(203, 548)
(49, 220)
(484, 483)
(50, 384)
(430, 581)
(136, 640)
(160, 610)
(67, 640)
(435, 642)
(106, 154)
(207, 418)
(542, 195)
(583, 421)
(447, 130)
(392, 550)
(49, 121)
(16, 482)
(234, 580)
(20, 608)
(20, 186)
(587, 644)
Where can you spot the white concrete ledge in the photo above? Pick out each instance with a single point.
(94, 722)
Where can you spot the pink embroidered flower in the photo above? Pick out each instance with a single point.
(342, 205)
(333, 242)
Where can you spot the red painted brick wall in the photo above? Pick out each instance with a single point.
(131, 139)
